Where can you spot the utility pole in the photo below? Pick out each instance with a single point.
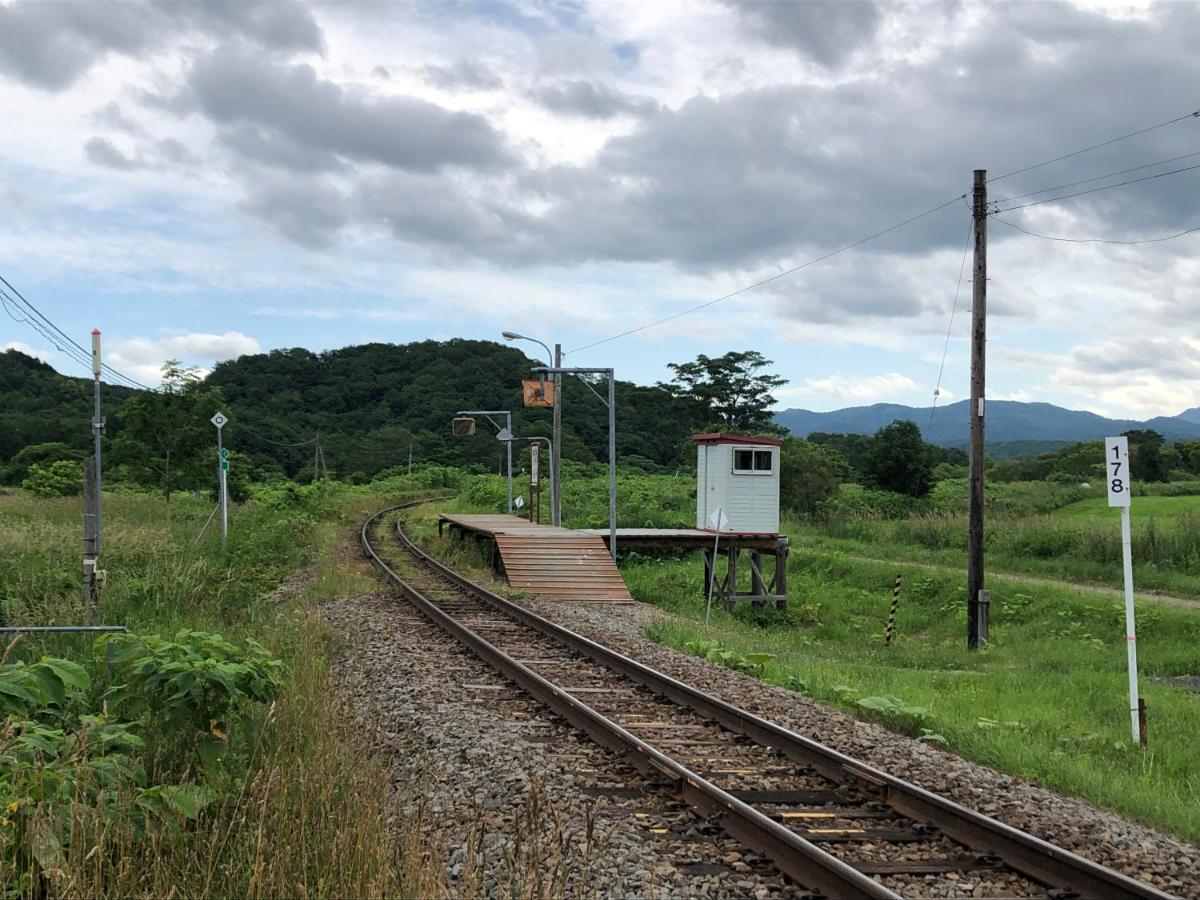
(978, 361)
(97, 428)
(611, 405)
(91, 537)
(556, 440)
(410, 457)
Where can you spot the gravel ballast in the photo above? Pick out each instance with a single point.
(482, 763)
(1153, 856)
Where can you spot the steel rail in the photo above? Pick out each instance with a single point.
(804, 862)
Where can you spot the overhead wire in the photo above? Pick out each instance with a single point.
(962, 266)
(1124, 137)
(701, 306)
(1067, 240)
(63, 342)
(1107, 187)
(776, 277)
(1058, 187)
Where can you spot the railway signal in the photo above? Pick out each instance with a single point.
(220, 420)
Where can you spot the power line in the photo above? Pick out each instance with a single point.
(267, 440)
(1067, 240)
(72, 348)
(1029, 168)
(953, 308)
(775, 277)
(1107, 187)
(1073, 153)
(1058, 187)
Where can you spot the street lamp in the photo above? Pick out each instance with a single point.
(555, 359)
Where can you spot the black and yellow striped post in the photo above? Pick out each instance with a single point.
(891, 622)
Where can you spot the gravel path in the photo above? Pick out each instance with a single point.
(1137, 850)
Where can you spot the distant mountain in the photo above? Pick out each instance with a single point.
(1007, 421)
(1190, 415)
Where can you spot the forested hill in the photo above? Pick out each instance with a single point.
(368, 403)
(40, 406)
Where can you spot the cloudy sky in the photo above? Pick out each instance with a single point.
(206, 180)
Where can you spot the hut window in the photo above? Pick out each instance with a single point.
(752, 462)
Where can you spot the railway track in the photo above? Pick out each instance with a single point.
(831, 823)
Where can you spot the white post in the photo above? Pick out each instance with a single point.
(219, 421)
(1130, 630)
(1120, 484)
(224, 491)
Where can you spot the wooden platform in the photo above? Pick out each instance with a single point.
(685, 539)
(555, 563)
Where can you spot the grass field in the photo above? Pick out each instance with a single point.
(1163, 509)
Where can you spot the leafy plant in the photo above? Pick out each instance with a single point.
(713, 651)
(48, 683)
(190, 691)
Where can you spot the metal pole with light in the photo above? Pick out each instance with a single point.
(555, 359)
(611, 403)
(507, 440)
(97, 429)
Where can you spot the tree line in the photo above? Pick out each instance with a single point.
(370, 407)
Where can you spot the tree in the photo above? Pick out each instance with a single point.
(730, 389)
(899, 460)
(40, 454)
(167, 438)
(1145, 455)
(808, 475)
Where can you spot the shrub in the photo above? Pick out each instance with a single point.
(63, 478)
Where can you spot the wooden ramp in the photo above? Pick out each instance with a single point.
(556, 563)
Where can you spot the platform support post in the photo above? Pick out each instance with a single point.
(731, 576)
(758, 585)
(781, 557)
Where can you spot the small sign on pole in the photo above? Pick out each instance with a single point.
(537, 391)
(1117, 476)
(219, 420)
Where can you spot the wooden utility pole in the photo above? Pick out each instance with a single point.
(978, 357)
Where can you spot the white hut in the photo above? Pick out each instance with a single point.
(739, 474)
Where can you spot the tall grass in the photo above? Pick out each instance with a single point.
(313, 814)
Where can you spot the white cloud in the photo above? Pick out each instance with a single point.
(22, 347)
(845, 388)
(142, 358)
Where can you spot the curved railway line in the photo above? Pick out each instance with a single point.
(831, 823)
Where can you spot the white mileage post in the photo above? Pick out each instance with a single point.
(1116, 462)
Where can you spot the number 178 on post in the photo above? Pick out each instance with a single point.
(1116, 466)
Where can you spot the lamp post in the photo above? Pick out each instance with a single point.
(505, 434)
(555, 359)
(611, 404)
